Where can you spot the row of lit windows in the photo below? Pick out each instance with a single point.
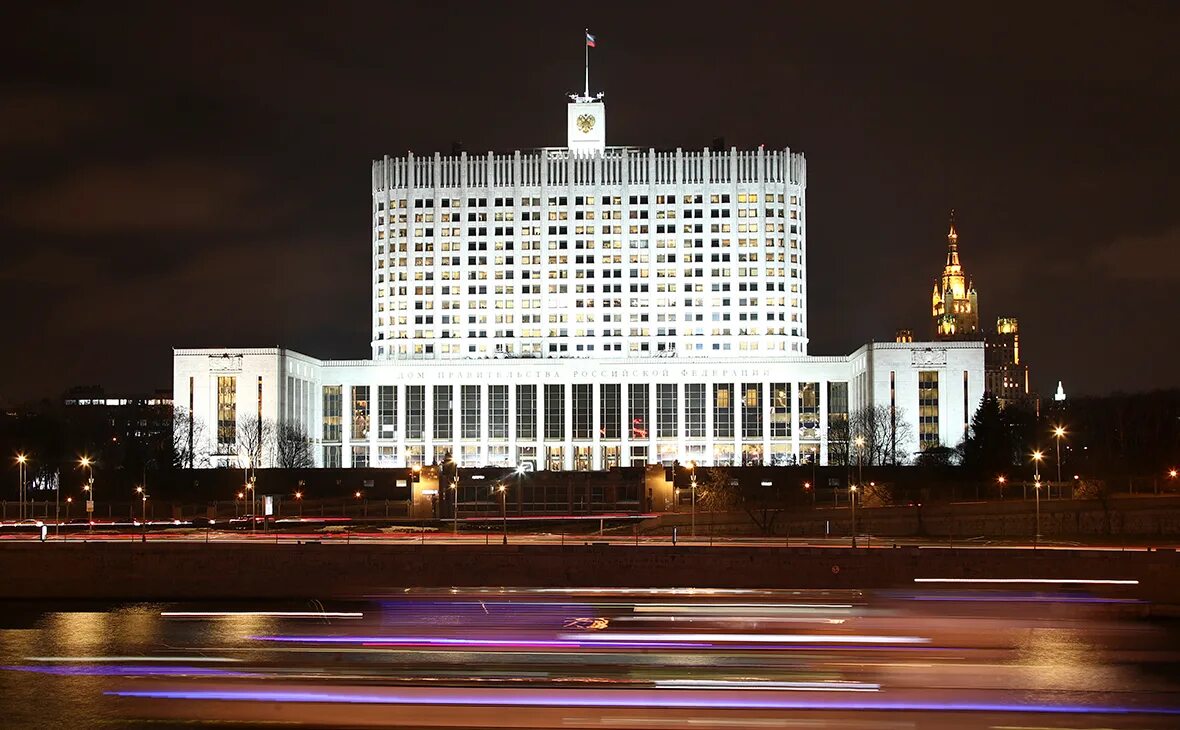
(687, 199)
(579, 214)
(592, 244)
(640, 348)
(638, 229)
(733, 409)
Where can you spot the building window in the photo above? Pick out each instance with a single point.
(227, 413)
(360, 457)
(469, 415)
(928, 409)
(838, 423)
(809, 411)
(333, 413)
(610, 405)
(694, 410)
(780, 410)
(415, 411)
(444, 426)
(667, 407)
(554, 455)
(723, 411)
(751, 411)
(637, 410)
(526, 456)
(555, 412)
(360, 412)
(526, 413)
(583, 398)
(332, 457)
(498, 413)
(386, 411)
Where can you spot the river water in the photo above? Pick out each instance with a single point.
(595, 658)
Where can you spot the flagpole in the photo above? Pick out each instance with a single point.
(586, 43)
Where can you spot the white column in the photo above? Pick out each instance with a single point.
(512, 458)
(567, 450)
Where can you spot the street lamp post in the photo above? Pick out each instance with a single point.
(1037, 456)
(1001, 480)
(143, 513)
(860, 459)
(1058, 432)
(87, 464)
(852, 500)
(504, 510)
(299, 501)
(692, 475)
(21, 459)
(143, 496)
(455, 506)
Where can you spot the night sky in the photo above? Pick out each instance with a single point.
(174, 179)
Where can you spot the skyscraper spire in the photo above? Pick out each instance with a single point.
(952, 245)
(955, 305)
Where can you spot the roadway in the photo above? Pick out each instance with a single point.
(163, 532)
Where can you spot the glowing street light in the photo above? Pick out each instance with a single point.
(299, 499)
(1001, 480)
(692, 475)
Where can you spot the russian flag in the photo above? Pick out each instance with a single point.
(589, 40)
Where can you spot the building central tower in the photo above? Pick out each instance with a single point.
(585, 125)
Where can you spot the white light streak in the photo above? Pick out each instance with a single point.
(1047, 581)
(750, 638)
(185, 659)
(262, 614)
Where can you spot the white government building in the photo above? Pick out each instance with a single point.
(579, 308)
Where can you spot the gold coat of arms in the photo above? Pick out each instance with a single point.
(585, 122)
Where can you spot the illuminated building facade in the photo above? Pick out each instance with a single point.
(581, 308)
(1006, 375)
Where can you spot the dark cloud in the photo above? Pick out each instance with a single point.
(179, 176)
(158, 195)
(1140, 258)
(34, 120)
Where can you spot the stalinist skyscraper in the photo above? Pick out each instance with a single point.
(955, 303)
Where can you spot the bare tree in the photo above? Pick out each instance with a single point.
(190, 441)
(885, 432)
(839, 439)
(720, 491)
(256, 440)
(292, 447)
